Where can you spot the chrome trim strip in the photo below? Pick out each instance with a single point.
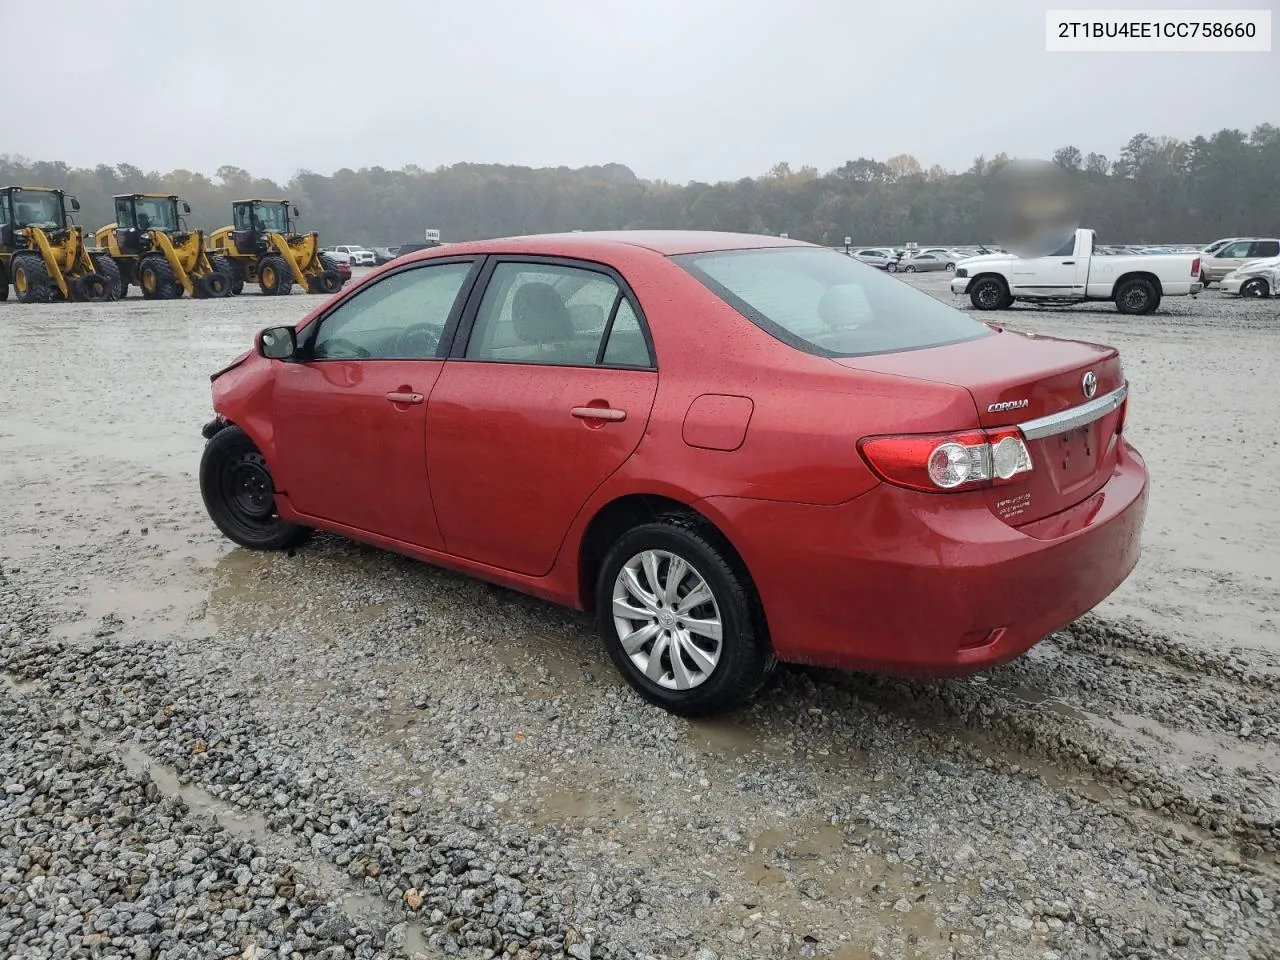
(1074, 417)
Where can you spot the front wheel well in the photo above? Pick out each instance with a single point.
(1139, 275)
(618, 516)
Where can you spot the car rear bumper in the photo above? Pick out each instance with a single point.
(1179, 289)
(913, 583)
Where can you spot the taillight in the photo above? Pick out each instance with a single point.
(1195, 267)
(948, 462)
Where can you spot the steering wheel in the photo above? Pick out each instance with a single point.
(339, 349)
(419, 341)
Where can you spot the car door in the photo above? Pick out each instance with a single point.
(546, 394)
(350, 411)
(1227, 259)
(1062, 274)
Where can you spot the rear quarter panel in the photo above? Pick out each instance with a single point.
(1173, 270)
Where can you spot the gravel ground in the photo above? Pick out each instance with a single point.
(338, 752)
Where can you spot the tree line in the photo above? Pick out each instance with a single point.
(1158, 189)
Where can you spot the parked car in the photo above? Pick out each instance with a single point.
(1257, 278)
(1074, 274)
(833, 467)
(882, 257)
(360, 257)
(338, 256)
(1235, 254)
(407, 248)
(925, 262)
(344, 270)
(382, 255)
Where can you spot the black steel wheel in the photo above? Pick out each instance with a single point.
(239, 494)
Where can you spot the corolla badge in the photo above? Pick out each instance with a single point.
(1089, 385)
(1007, 405)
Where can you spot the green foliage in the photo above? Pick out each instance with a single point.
(1159, 189)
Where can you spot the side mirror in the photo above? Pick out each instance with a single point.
(277, 343)
(75, 204)
(296, 213)
(186, 207)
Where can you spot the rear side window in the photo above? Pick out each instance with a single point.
(1265, 248)
(827, 304)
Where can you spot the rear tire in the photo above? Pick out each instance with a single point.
(989, 293)
(156, 279)
(275, 277)
(1256, 287)
(227, 267)
(109, 270)
(720, 664)
(4, 283)
(212, 285)
(1137, 297)
(239, 494)
(31, 281)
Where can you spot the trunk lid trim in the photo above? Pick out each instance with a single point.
(1074, 417)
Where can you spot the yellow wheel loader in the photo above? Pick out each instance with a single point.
(149, 246)
(262, 247)
(42, 251)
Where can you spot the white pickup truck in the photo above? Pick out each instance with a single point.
(1075, 274)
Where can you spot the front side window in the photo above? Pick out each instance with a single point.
(401, 317)
(36, 209)
(543, 313)
(156, 214)
(824, 303)
(1235, 250)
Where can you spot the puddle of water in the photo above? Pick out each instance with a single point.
(1190, 748)
(583, 804)
(732, 739)
(15, 684)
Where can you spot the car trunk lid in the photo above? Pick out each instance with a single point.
(1020, 379)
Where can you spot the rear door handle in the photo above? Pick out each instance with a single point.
(598, 413)
(1068, 263)
(400, 397)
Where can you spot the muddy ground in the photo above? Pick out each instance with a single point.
(337, 752)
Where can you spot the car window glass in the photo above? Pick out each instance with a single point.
(1068, 248)
(1265, 248)
(627, 346)
(824, 303)
(1235, 250)
(539, 313)
(399, 317)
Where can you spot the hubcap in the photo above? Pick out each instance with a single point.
(667, 620)
(269, 277)
(1136, 298)
(20, 280)
(988, 294)
(149, 281)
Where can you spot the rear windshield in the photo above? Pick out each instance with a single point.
(825, 303)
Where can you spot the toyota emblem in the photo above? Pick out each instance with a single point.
(1089, 384)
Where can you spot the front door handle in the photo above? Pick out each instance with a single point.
(398, 396)
(1068, 263)
(598, 413)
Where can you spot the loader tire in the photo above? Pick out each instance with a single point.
(275, 277)
(90, 288)
(212, 285)
(4, 283)
(31, 280)
(156, 279)
(109, 271)
(227, 267)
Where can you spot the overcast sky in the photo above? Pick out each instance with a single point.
(674, 89)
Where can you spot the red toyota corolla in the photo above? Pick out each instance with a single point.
(733, 449)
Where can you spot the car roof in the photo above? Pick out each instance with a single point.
(587, 242)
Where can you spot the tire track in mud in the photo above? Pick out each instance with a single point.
(1057, 707)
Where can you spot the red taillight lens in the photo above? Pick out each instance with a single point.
(1195, 267)
(948, 462)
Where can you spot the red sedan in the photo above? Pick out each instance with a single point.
(733, 449)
